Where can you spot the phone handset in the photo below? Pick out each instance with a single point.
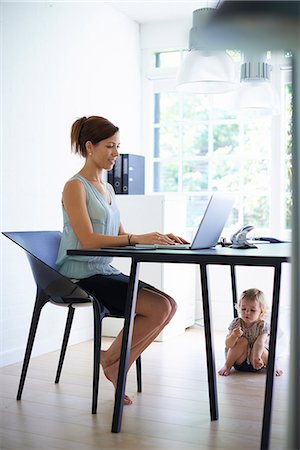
(239, 239)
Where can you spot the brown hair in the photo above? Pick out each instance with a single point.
(254, 295)
(93, 129)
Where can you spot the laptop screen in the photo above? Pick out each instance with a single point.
(213, 221)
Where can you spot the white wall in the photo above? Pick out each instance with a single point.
(60, 61)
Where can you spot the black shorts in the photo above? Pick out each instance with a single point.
(245, 367)
(111, 290)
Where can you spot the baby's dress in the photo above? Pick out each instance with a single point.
(250, 333)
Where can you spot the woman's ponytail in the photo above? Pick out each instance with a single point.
(93, 129)
(75, 136)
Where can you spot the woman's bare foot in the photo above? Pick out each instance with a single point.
(225, 371)
(111, 373)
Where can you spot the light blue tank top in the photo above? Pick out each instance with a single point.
(105, 219)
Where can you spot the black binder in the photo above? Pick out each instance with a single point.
(133, 174)
(128, 174)
(117, 175)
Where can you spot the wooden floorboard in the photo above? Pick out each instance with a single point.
(171, 413)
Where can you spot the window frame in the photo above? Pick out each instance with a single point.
(156, 80)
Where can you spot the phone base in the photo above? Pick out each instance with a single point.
(244, 245)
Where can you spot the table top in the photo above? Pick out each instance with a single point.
(264, 254)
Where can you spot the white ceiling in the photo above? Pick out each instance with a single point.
(157, 11)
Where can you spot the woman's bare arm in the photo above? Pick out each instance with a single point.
(74, 200)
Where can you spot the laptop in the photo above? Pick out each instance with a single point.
(209, 230)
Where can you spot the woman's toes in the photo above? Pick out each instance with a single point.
(127, 400)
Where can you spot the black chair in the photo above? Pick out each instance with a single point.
(41, 249)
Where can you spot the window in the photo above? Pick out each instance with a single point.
(200, 145)
(288, 153)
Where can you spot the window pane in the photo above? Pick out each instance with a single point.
(288, 211)
(221, 108)
(195, 140)
(288, 180)
(156, 108)
(165, 177)
(167, 59)
(169, 141)
(288, 155)
(201, 146)
(256, 211)
(169, 107)
(225, 171)
(194, 176)
(195, 209)
(257, 138)
(233, 217)
(226, 137)
(156, 142)
(156, 59)
(257, 176)
(195, 107)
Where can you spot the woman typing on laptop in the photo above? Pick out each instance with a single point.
(92, 220)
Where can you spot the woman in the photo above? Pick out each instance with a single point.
(92, 220)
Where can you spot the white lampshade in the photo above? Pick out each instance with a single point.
(202, 70)
(206, 71)
(255, 95)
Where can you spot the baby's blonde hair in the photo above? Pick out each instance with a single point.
(254, 294)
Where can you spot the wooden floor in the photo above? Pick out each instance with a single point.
(171, 413)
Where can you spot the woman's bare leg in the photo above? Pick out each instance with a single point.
(154, 310)
(236, 354)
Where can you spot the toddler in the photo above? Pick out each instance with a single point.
(246, 343)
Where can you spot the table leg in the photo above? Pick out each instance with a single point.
(210, 357)
(234, 291)
(267, 415)
(126, 345)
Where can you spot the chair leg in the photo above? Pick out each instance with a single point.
(97, 351)
(65, 342)
(40, 301)
(139, 373)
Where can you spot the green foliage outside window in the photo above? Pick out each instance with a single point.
(288, 195)
(199, 154)
(200, 148)
(194, 140)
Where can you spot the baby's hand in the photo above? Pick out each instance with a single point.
(237, 332)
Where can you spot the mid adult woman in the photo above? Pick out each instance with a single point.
(92, 220)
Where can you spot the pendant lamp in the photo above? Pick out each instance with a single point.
(204, 70)
(255, 94)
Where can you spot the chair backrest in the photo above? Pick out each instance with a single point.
(43, 245)
(41, 249)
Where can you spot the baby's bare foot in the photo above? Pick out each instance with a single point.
(258, 363)
(225, 371)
